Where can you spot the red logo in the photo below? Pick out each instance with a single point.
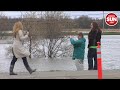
(111, 19)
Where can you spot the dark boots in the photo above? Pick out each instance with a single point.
(12, 66)
(30, 70)
(11, 70)
(27, 65)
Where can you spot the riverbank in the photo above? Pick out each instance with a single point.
(75, 31)
(105, 33)
(85, 74)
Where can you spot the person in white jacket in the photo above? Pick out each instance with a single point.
(19, 51)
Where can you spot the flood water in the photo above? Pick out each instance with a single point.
(110, 58)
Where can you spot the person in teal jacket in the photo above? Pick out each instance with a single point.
(79, 50)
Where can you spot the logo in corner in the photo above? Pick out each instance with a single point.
(111, 19)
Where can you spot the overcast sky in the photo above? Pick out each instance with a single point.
(72, 14)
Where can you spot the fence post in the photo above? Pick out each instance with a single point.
(99, 60)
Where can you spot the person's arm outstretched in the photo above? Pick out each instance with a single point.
(22, 37)
(75, 42)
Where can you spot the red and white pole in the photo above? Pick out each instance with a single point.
(99, 61)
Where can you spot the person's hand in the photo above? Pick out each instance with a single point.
(70, 36)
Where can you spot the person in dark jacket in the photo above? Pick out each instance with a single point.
(94, 36)
(79, 51)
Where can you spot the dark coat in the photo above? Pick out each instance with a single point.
(94, 37)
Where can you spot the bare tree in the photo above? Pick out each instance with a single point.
(30, 24)
(3, 24)
(53, 38)
(46, 28)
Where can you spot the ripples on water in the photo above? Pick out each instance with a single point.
(110, 58)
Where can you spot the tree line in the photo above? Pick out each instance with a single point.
(46, 31)
(82, 22)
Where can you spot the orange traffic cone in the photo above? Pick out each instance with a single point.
(99, 60)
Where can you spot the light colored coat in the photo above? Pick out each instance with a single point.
(18, 48)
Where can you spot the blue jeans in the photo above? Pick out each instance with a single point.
(92, 57)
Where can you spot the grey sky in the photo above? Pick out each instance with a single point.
(72, 14)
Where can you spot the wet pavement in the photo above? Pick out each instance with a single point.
(85, 74)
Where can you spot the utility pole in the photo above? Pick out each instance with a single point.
(103, 20)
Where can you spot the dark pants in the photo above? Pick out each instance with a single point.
(15, 59)
(24, 61)
(92, 57)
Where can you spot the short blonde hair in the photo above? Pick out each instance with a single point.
(17, 26)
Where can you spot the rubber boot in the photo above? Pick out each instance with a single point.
(27, 65)
(11, 70)
(30, 70)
